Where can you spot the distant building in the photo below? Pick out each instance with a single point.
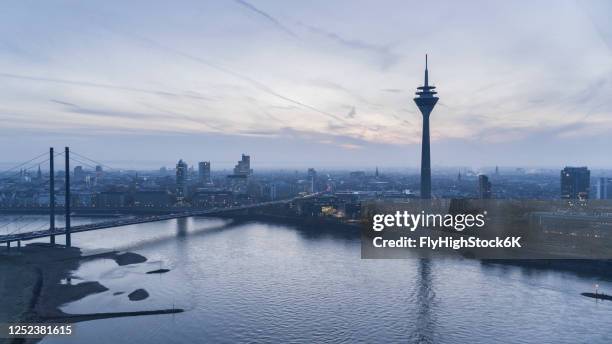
(79, 174)
(243, 167)
(211, 198)
(312, 178)
(604, 188)
(239, 181)
(85, 199)
(204, 172)
(181, 180)
(273, 192)
(575, 183)
(484, 187)
(152, 199)
(357, 174)
(109, 199)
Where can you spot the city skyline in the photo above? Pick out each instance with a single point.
(300, 88)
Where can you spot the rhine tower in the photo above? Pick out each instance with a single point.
(426, 100)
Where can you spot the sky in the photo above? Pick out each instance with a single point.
(326, 84)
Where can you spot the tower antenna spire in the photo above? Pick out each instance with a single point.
(426, 72)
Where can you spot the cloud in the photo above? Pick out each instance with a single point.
(386, 57)
(100, 85)
(255, 83)
(352, 113)
(350, 146)
(268, 17)
(62, 102)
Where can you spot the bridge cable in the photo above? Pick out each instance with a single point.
(17, 166)
(94, 161)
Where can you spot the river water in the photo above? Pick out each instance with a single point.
(259, 282)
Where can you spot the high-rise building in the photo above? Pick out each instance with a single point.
(426, 100)
(79, 174)
(575, 183)
(239, 180)
(243, 167)
(604, 188)
(204, 172)
(484, 187)
(312, 179)
(181, 180)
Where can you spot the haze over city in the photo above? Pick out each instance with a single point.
(314, 84)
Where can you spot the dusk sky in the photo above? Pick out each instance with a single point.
(310, 83)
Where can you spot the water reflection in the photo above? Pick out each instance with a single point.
(424, 327)
(181, 227)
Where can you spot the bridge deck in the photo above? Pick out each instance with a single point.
(130, 221)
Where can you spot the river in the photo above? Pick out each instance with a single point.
(260, 282)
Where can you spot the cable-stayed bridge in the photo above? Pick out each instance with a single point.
(16, 237)
(49, 230)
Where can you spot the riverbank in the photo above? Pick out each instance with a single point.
(36, 281)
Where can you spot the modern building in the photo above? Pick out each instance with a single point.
(484, 187)
(181, 180)
(312, 178)
(243, 167)
(239, 181)
(204, 172)
(79, 174)
(426, 100)
(575, 183)
(604, 188)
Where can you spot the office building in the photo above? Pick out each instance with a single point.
(312, 179)
(204, 172)
(484, 187)
(243, 167)
(79, 174)
(575, 183)
(181, 180)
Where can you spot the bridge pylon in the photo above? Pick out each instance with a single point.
(67, 200)
(51, 196)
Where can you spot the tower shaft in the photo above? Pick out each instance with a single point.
(425, 161)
